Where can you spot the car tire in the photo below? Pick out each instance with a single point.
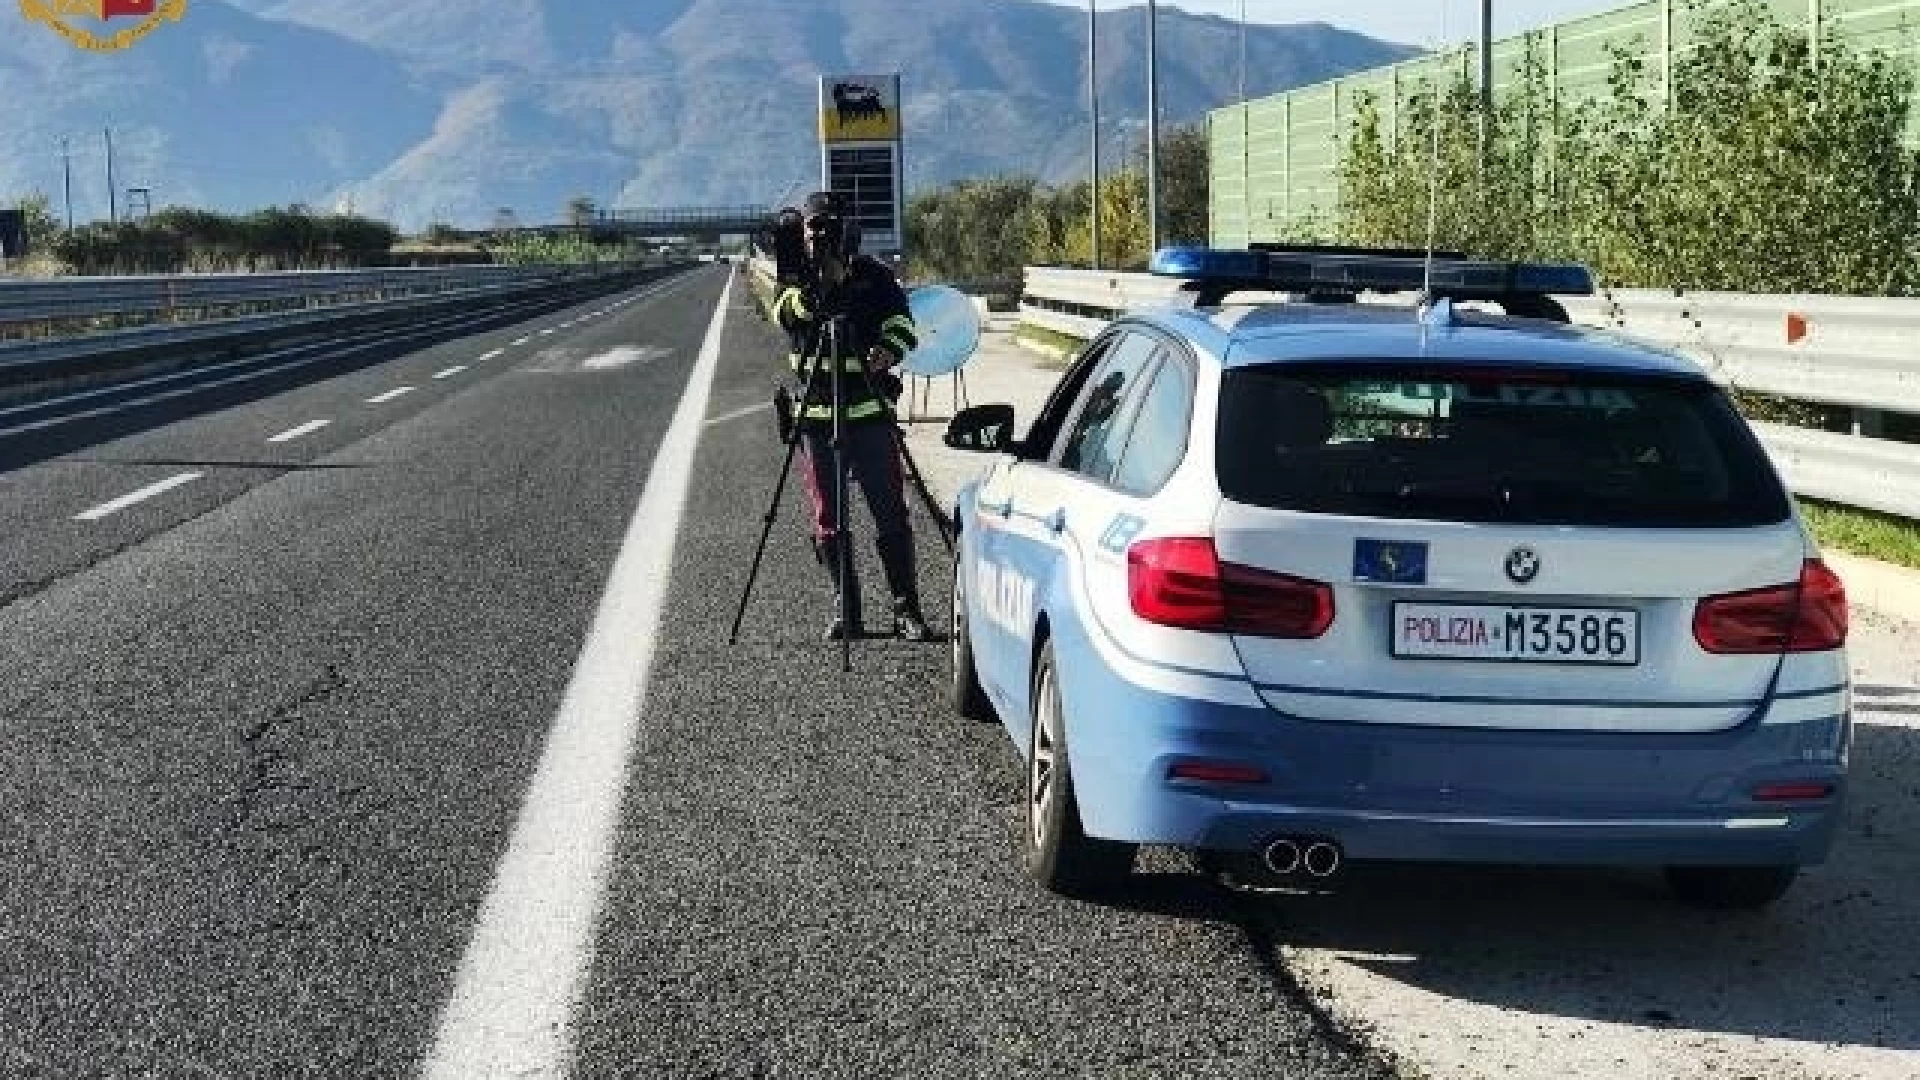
(1060, 856)
(1730, 888)
(969, 698)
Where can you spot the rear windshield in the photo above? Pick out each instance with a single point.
(1522, 447)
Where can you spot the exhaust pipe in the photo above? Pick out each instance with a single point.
(1322, 859)
(1282, 856)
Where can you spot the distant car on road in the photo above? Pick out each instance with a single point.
(1298, 583)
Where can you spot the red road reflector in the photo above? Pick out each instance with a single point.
(1791, 792)
(1797, 328)
(1217, 772)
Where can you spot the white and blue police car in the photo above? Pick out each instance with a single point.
(1294, 583)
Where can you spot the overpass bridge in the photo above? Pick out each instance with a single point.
(685, 220)
(650, 222)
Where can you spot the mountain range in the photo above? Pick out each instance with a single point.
(448, 110)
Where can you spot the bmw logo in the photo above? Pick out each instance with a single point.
(1523, 565)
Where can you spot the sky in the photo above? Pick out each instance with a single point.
(1411, 22)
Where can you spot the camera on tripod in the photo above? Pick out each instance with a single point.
(814, 249)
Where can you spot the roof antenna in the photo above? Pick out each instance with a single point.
(1435, 311)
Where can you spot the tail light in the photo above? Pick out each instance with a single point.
(1807, 616)
(1181, 582)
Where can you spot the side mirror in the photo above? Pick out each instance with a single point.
(983, 429)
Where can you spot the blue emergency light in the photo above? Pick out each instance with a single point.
(1215, 272)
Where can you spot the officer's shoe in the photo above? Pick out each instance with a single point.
(908, 623)
(837, 629)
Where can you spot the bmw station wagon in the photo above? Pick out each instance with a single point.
(1312, 581)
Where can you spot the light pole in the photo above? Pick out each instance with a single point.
(1246, 135)
(113, 198)
(66, 182)
(1243, 52)
(1153, 128)
(1486, 80)
(1093, 108)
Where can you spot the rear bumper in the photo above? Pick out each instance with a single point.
(1800, 838)
(1449, 794)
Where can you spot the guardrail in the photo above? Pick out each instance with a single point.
(185, 313)
(27, 304)
(1837, 350)
(1855, 352)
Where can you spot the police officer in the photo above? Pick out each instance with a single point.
(874, 336)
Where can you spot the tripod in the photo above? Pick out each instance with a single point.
(826, 352)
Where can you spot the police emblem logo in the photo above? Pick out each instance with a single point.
(89, 24)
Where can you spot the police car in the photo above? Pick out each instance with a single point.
(1305, 582)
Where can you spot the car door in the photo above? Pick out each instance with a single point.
(1057, 507)
(997, 656)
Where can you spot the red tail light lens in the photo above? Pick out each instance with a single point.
(1217, 772)
(1181, 582)
(1792, 792)
(1810, 616)
(1176, 582)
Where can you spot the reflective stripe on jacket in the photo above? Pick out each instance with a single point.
(876, 317)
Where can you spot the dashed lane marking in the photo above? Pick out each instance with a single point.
(300, 432)
(308, 355)
(739, 414)
(107, 510)
(392, 395)
(452, 371)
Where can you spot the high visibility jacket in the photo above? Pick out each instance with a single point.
(876, 316)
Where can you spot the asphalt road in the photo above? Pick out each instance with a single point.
(817, 874)
(357, 724)
(266, 732)
(272, 709)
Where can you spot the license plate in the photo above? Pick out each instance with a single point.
(1543, 635)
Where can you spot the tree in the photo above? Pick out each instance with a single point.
(1123, 220)
(1776, 166)
(1185, 217)
(977, 233)
(41, 226)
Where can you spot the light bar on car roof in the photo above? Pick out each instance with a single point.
(1356, 270)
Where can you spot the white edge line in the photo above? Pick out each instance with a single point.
(134, 498)
(391, 395)
(299, 432)
(452, 371)
(511, 1010)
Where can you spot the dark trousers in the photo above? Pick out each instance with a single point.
(872, 457)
